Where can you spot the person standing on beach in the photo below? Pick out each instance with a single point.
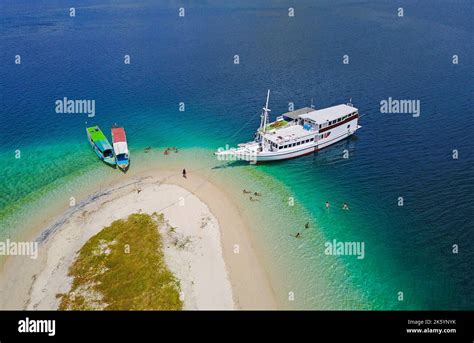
(184, 173)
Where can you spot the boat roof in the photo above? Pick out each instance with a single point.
(328, 114)
(295, 114)
(288, 133)
(95, 133)
(120, 148)
(103, 145)
(99, 138)
(118, 134)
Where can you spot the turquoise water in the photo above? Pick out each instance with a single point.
(190, 60)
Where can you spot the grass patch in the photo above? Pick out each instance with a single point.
(276, 125)
(123, 268)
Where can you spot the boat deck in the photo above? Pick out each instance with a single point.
(288, 133)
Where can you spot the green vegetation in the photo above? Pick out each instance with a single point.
(277, 124)
(123, 268)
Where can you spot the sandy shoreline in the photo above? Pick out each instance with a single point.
(218, 267)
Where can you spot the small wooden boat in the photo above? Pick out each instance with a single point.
(119, 141)
(101, 145)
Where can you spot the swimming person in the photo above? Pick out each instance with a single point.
(345, 206)
(327, 204)
(306, 226)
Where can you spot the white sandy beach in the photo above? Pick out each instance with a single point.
(215, 262)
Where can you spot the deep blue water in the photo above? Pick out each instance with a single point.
(190, 60)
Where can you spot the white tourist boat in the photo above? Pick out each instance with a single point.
(296, 133)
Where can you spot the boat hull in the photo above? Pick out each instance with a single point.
(108, 160)
(302, 150)
(123, 166)
(120, 146)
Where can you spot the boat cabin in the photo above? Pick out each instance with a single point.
(328, 117)
(304, 126)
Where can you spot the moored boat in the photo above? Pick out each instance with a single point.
(119, 141)
(101, 145)
(296, 133)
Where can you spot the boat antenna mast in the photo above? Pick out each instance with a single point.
(266, 110)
